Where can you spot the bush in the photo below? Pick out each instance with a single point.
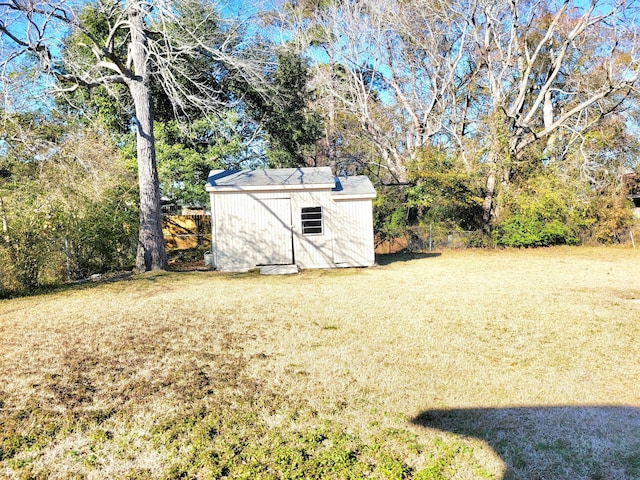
(104, 237)
(444, 191)
(390, 212)
(522, 231)
(612, 218)
(29, 258)
(66, 212)
(540, 214)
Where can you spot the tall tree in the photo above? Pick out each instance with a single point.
(183, 47)
(497, 84)
(547, 68)
(288, 124)
(392, 64)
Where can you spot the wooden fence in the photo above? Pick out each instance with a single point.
(182, 232)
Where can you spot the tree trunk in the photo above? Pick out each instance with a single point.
(5, 233)
(151, 253)
(489, 199)
(5, 224)
(499, 171)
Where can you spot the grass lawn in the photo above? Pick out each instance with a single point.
(470, 364)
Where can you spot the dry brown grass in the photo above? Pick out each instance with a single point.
(470, 364)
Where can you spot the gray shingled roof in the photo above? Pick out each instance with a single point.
(358, 185)
(290, 179)
(272, 177)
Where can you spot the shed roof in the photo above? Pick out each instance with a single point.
(271, 179)
(302, 178)
(357, 186)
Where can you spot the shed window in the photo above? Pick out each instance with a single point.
(312, 220)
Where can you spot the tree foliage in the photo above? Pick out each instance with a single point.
(187, 153)
(177, 52)
(443, 191)
(503, 87)
(283, 120)
(68, 204)
(519, 117)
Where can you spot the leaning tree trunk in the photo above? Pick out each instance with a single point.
(151, 253)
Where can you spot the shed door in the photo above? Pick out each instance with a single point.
(274, 232)
(353, 238)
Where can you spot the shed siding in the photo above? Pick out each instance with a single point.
(273, 231)
(250, 230)
(312, 251)
(353, 246)
(256, 223)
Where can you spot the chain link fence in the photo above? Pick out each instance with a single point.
(432, 237)
(425, 238)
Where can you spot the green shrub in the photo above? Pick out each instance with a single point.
(390, 219)
(522, 231)
(542, 212)
(65, 212)
(103, 236)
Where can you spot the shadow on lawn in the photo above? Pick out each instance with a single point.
(388, 258)
(565, 442)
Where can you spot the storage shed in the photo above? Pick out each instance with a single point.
(291, 216)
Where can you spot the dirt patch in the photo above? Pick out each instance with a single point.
(192, 266)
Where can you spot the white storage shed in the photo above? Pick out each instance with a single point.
(290, 216)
